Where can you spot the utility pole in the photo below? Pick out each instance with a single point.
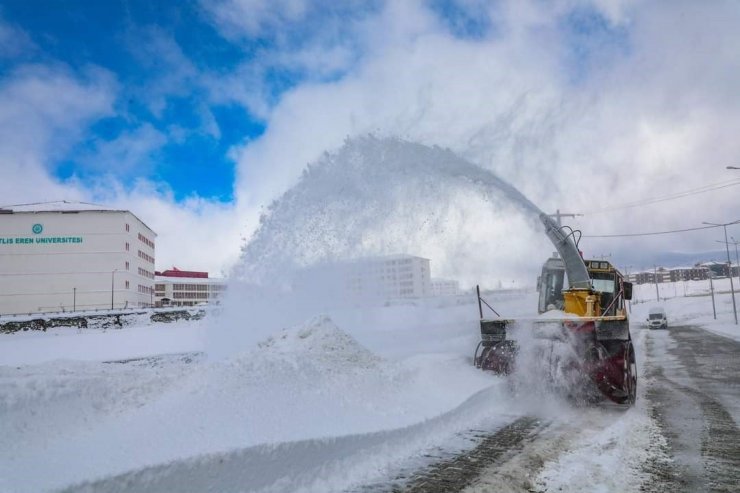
(655, 278)
(737, 261)
(627, 277)
(729, 264)
(711, 290)
(112, 286)
(74, 299)
(558, 215)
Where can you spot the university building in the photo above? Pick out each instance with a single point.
(175, 287)
(390, 277)
(71, 256)
(445, 287)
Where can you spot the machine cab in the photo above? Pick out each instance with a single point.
(550, 285)
(605, 279)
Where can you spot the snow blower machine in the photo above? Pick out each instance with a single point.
(588, 319)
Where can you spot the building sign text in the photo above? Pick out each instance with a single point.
(43, 240)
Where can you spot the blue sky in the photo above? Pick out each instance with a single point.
(171, 122)
(198, 114)
(113, 35)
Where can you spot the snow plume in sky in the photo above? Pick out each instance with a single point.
(381, 196)
(376, 197)
(583, 105)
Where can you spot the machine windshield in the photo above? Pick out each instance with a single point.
(551, 289)
(604, 283)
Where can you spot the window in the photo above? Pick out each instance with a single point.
(126, 284)
(146, 241)
(127, 265)
(146, 257)
(127, 246)
(127, 227)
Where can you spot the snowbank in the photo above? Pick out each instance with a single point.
(87, 420)
(35, 347)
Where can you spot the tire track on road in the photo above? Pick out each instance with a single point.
(687, 411)
(461, 471)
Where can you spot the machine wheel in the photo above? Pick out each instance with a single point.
(630, 374)
(499, 358)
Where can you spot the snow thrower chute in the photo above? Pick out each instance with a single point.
(590, 316)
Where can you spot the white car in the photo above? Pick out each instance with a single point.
(657, 319)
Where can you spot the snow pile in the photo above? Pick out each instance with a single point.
(312, 382)
(321, 341)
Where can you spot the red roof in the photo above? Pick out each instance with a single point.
(175, 272)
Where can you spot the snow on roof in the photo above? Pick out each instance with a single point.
(59, 206)
(383, 258)
(66, 206)
(191, 280)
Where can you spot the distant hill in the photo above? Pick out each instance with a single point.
(668, 259)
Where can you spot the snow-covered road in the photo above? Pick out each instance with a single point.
(695, 397)
(374, 401)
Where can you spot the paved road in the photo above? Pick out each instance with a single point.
(693, 392)
(457, 473)
(695, 395)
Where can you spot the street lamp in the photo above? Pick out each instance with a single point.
(729, 263)
(711, 291)
(733, 241)
(737, 257)
(655, 278)
(112, 284)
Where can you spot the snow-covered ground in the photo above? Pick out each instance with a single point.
(353, 393)
(65, 405)
(690, 302)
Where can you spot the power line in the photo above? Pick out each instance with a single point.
(651, 233)
(677, 195)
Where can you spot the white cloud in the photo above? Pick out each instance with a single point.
(43, 111)
(238, 18)
(128, 154)
(194, 234)
(172, 73)
(653, 116)
(14, 42)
